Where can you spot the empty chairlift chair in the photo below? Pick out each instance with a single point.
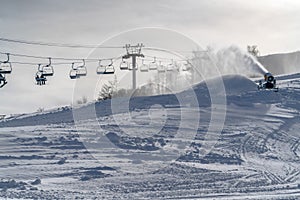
(124, 65)
(47, 70)
(5, 66)
(81, 70)
(73, 72)
(153, 65)
(161, 68)
(144, 67)
(109, 69)
(101, 68)
(171, 66)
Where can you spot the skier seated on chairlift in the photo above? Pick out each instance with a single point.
(2, 81)
(40, 80)
(43, 79)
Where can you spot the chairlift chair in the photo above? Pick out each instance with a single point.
(144, 67)
(47, 70)
(109, 69)
(40, 77)
(101, 68)
(171, 66)
(161, 67)
(73, 72)
(5, 66)
(153, 65)
(124, 65)
(81, 70)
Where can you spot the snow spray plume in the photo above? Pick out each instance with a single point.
(251, 61)
(233, 60)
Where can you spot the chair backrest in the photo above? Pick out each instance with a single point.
(124, 65)
(5, 66)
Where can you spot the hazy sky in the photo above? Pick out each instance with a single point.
(273, 25)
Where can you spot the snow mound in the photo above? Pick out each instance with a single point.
(228, 85)
(233, 85)
(237, 84)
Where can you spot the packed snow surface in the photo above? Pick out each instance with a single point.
(255, 156)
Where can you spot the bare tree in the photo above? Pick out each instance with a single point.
(108, 90)
(253, 50)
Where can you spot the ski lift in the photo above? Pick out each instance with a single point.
(153, 65)
(5, 66)
(40, 77)
(109, 69)
(73, 72)
(47, 70)
(161, 68)
(81, 70)
(124, 65)
(170, 66)
(101, 68)
(144, 67)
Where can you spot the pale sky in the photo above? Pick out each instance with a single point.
(273, 25)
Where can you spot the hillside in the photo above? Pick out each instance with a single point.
(164, 147)
(234, 84)
(282, 63)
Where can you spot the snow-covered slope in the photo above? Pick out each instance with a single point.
(256, 156)
(234, 85)
(282, 63)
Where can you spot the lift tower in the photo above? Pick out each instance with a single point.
(133, 52)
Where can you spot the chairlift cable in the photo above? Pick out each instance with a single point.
(36, 63)
(57, 58)
(173, 51)
(92, 46)
(164, 58)
(52, 44)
